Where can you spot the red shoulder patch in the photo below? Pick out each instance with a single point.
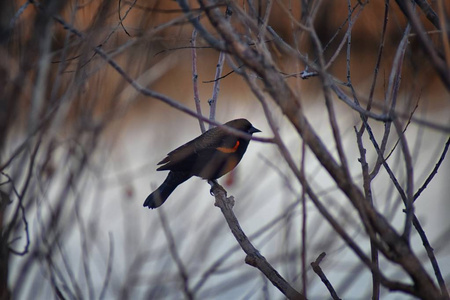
(229, 150)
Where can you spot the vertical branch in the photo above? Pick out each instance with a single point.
(364, 165)
(198, 106)
(175, 255)
(368, 195)
(109, 267)
(394, 86)
(409, 200)
(444, 31)
(304, 223)
(84, 249)
(303, 231)
(391, 95)
(43, 70)
(425, 42)
(213, 101)
(328, 101)
(378, 62)
(432, 257)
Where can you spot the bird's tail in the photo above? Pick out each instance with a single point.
(160, 195)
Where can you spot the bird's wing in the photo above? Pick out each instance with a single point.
(184, 157)
(179, 158)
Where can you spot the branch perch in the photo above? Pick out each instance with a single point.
(253, 258)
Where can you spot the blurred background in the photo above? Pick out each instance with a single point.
(79, 147)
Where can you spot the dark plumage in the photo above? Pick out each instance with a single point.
(209, 156)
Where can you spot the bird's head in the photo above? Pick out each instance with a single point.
(242, 125)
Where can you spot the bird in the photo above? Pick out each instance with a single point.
(209, 156)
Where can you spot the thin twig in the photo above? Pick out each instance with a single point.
(432, 257)
(379, 56)
(347, 36)
(175, 255)
(21, 197)
(304, 221)
(198, 106)
(4, 203)
(318, 270)
(434, 171)
(368, 195)
(404, 130)
(444, 30)
(150, 93)
(109, 267)
(121, 19)
(17, 15)
(437, 62)
(213, 101)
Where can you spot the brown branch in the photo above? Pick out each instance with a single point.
(391, 97)
(4, 202)
(121, 19)
(433, 55)
(309, 72)
(304, 220)
(396, 248)
(429, 13)
(288, 212)
(209, 38)
(445, 30)
(7, 230)
(432, 257)
(253, 258)
(368, 194)
(150, 93)
(434, 172)
(379, 55)
(198, 107)
(220, 78)
(318, 270)
(175, 255)
(219, 67)
(108, 273)
(213, 101)
(314, 198)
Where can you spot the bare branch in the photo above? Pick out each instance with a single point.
(436, 61)
(253, 258)
(434, 171)
(198, 107)
(316, 267)
(176, 256)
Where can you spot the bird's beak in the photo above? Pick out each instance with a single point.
(253, 130)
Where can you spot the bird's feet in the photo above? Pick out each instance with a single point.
(220, 194)
(216, 188)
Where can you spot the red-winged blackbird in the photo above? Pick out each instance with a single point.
(209, 156)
